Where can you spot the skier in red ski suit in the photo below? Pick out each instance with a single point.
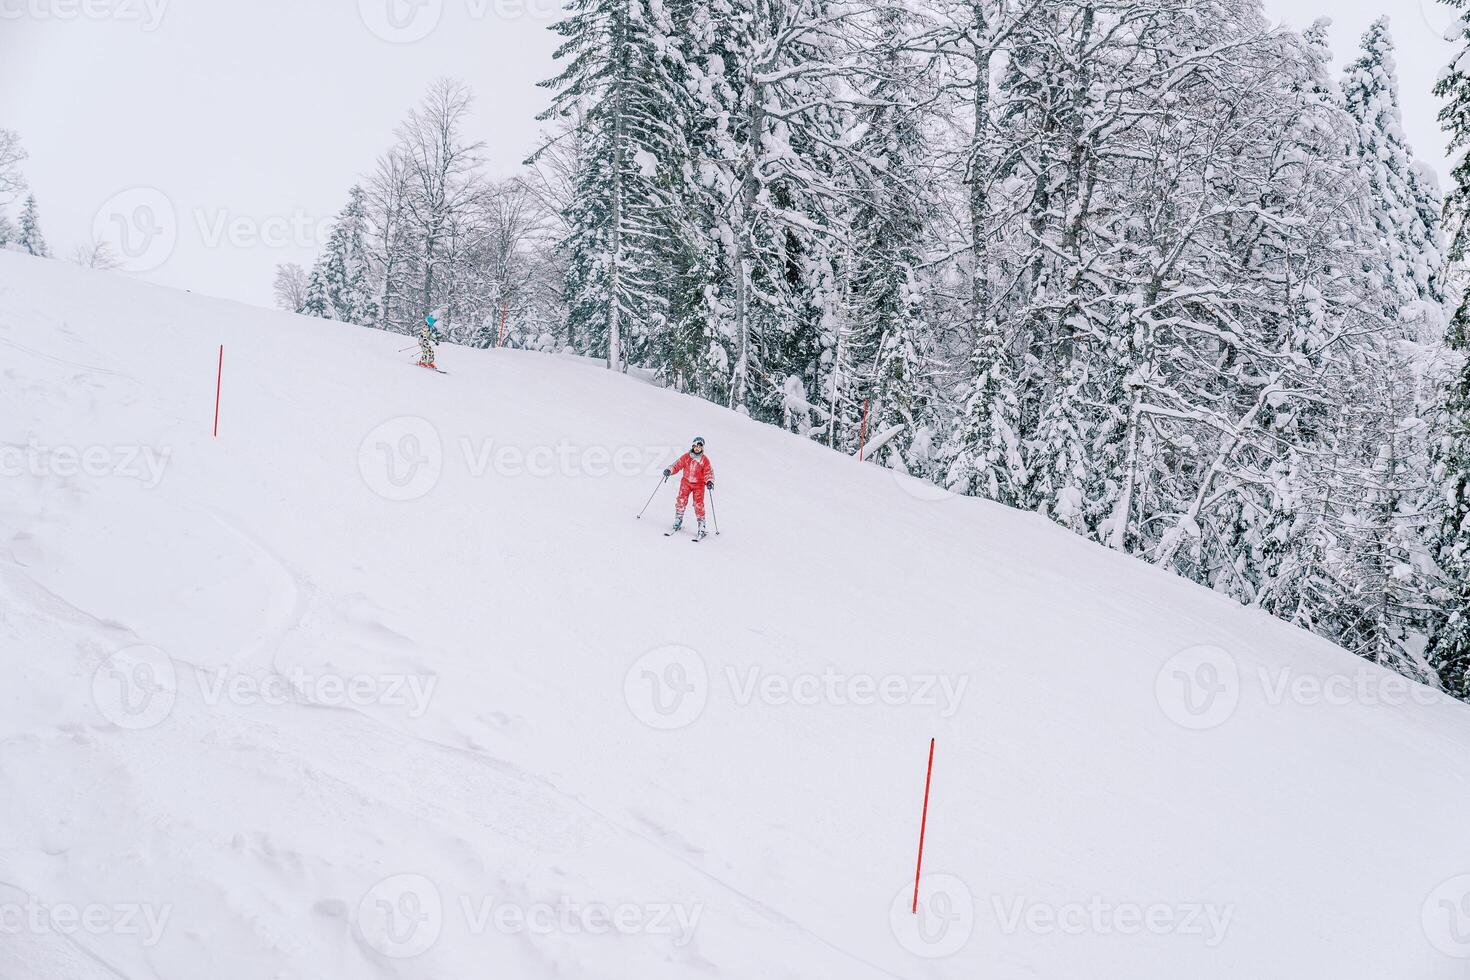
(698, 476)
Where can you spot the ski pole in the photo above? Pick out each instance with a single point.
(651, 496)
(713, 516)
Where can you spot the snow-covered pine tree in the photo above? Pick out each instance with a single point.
(345, 270)
(317, 303)
(619, 85)
(1403, 207)
(691, 352)
(1449, 642)
(29, 238)
(777, 88)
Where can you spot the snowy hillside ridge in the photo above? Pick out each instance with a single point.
(387, 680)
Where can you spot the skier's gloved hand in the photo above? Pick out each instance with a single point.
(709, 484)
(667, 472)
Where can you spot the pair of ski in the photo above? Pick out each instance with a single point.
(698, 535)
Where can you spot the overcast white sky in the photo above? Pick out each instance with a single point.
(237, 127)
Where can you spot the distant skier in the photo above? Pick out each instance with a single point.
(698, 476)
(428, 337)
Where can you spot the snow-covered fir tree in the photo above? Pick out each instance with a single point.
(29, 238)
(1405, 211)
(344, 266)
(619, 81)
(1449, 644)
(316, 302)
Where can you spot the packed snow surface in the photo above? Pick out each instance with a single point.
(386, 680)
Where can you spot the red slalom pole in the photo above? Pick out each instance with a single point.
(863, 439)
(218, 382)
(923, 825)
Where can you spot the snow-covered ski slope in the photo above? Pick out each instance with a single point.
(386, 681)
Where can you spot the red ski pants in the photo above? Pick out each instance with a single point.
(685, 489)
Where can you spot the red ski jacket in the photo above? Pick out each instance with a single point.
(697, 470)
